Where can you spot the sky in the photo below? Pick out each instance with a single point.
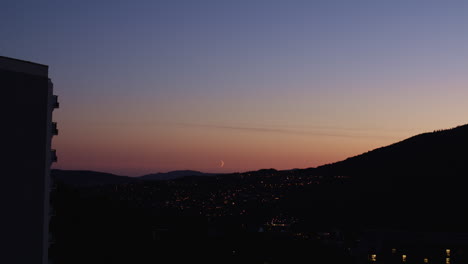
(151, 86)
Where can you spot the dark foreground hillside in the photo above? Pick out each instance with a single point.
(93, 226)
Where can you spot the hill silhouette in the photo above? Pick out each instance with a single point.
(432, 163)
(86, 178)
(433, 158)
(418, 182)
(174, 175)
(414, 187)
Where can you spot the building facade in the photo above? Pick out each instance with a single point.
(27, 106)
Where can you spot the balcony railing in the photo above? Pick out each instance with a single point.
(54, 129)
(52, 212)
(53, 155)
(55, 101)
(51, 239)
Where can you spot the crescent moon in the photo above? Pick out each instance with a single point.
(222, 164)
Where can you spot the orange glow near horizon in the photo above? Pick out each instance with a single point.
(134, 152)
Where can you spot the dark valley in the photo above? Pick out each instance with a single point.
(403, 201)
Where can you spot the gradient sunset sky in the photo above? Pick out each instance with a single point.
(154, 86)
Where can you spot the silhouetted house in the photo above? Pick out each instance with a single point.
(28, 102)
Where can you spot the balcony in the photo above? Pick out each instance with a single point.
(52, 212)
(55, 102)
(53, 155)
(51, 239)
(54, 129)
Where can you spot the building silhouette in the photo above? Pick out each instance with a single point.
(27, 104)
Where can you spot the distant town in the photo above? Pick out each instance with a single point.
(268, 216)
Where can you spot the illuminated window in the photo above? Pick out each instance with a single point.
(403, 258)
(447, 260)
(373, 257)
(426, 260)
(393, 250)
(447, 251)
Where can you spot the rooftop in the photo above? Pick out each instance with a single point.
(16, 65)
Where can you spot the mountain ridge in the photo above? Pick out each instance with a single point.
(423, 157)
(171, 175)
(431, 159)
(83, 178)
